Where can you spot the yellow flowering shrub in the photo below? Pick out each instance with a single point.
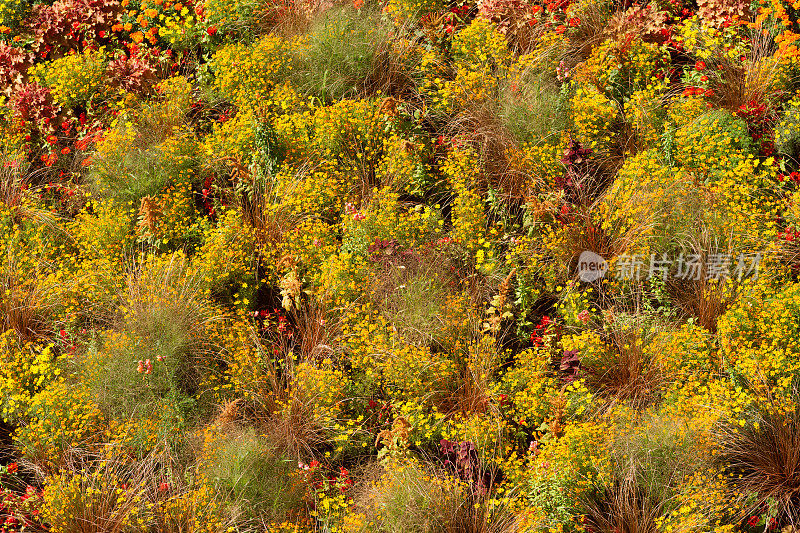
(12, 12)
(410, 371)
(568, 469)
(639, 207)
(757, 341)
(646, 113)
(386, 219)
(170, 220)
(246, 75)
(786, 140)
(711, 144)
(60, 417)
(705, 40)
(594, 116)
(226, 261)
(403, 10)
(530, 386)
(481, 46)
(74, 79)
(27, 369)
(197, 509)
(71, 499)
(620, 67)
(103, 229)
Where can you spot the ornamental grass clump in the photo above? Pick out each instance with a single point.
(762, 459)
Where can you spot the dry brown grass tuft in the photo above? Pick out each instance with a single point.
(705, 299)
(27, 299)
(763, 458)
(24, 305)
(13, 181)
(481, 127)
(628, 370)
(255, 200)
(286, 409)
(623, 507)
(595, 18)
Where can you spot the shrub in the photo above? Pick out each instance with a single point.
(412, 11)
(70, 503)
(350, 53)
(761, 457)
(415, 497)
(566, 471)
(296, 403)
(514, 20)
(28, 368)
(12, 13)
(352, 134)
(128, 174)
(650, 202)
(154, 354)
(226, 263)
(109, 491)
(103, 229)
(757, 340)
(385, 219)
(246, 75)
(255, 481)
(248, 19)
(786, 140)
(169, 220)
(594, 118)
(73, 80)
(29, 289)
(699, 145)
(620, 67)
(61, 417)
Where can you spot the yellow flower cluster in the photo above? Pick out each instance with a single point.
(246, 75)
(73, 79)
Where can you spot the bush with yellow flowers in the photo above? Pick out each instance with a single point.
(566, 470)
(74, 79)
(786, 141)
(311, 266)
(13, 12)
(351, 134)
(28, 368)
(59, 417)
(385, 219)
(226, 262)
(594, 118)
(759, 349)
(620, 67)
(402, 11)
(73, 499)
(247, 75)
(698, 144)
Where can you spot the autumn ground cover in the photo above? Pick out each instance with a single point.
(390, 266)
